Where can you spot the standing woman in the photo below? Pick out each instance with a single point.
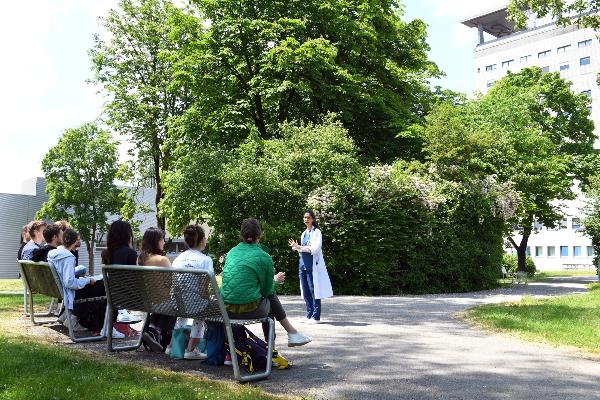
(314, 279)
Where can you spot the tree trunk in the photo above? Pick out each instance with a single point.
(90, 249)
(522, 246)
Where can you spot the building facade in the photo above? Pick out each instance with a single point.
(575, 54)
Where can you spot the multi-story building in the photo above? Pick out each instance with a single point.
(575, 54)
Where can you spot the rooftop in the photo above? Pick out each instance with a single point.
(495, 22)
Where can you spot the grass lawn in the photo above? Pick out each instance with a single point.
(548, 274)
(33, 370)
(571, 320)
(11, 285)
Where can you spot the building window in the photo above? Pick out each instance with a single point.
(590, 251)
(576, 224)
(576, 251)
(551, 251)
(507, 63)
(543, 54)
(478, 70)
(564, 67)
(589, 109)
(539, 250)
(588, 93)
(490, 83)
(546, 69)
(584, 61)
(563, 49)
(490, 67)
(528, 251)
(584, 43)
(562, 224)
(564, 251)
(525, 59)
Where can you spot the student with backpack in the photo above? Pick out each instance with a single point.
(248, 287)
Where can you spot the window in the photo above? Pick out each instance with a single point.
(590, 251)
(551, 251)
(562, 224)
(576, 224)
(562, 49)
(546, 69)
(527, 251)
(490, 67)
(588, 92)
(543, 54)
(525, 59)
(564, 67)
(506, 64)
(478, 70)
(564, 251)
(539, 250)
(490, 83)
(584, 43)
(584, 61)
(576, 251)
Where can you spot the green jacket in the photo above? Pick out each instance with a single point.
(247, 275)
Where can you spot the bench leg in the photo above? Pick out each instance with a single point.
(109, 329)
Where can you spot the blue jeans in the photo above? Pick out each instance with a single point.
(313, 306)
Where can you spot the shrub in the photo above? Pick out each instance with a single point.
(510, 263)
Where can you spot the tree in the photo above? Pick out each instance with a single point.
(80, 171)
(580, 12)
(262, 63)
(530, 131)
(136, 69)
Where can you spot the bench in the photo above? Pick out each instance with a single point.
(41, 278)
(178, 292)
(576, 266)
(518, 277)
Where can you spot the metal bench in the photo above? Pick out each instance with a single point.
(41, 278)
(178, 292)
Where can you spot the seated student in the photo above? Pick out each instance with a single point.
(36, 232)
(156, 336)
(24, 239)
(248, 284)
(53, 237)
(85, 316)
(193, 258)
(64, 225)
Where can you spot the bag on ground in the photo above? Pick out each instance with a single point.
(215, 343)
(179, 341)
(250, 349)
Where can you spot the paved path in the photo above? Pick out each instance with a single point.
(413, 347)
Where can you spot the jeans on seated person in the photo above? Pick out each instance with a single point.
(270, 306)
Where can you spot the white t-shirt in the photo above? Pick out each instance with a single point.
(193, 259)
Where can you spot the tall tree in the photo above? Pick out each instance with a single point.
(80, 171)
(266, 62)
(530, 131)
(581, 12)
(135, 67)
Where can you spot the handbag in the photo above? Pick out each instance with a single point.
(179, 341)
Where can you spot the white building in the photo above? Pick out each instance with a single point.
(575, 54)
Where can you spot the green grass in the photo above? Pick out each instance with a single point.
(36, 370)
(548, 274)
(11, 285)
(571, 320)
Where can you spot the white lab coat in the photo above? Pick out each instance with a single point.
(321, 281)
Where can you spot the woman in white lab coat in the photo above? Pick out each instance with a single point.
(314, 279)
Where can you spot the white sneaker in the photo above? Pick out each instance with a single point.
(127, 318)
(168, 350)
(298, 339)
(194, 355)
(310, 321)
(115, 333)
(77, 327)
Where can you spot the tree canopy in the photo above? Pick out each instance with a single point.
(581, 12)
(80, 171)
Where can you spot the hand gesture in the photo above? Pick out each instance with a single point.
(279, 277)
(294, 244)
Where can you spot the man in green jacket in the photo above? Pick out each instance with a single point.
(248, 287)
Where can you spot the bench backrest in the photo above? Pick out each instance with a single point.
(41, 278)
(179, 292)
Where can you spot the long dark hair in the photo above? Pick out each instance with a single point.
(119, 235)
(150, 244)
(70, 237)
(312, 214)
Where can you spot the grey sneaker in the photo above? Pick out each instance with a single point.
(77, 327)
(194, 355)
(298, 339)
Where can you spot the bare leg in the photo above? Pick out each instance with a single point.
(287, 325)
(192, 343)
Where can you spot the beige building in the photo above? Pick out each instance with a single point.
(575, 54)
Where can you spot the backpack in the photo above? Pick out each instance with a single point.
(250, 349)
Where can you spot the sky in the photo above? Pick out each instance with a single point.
(46, 66)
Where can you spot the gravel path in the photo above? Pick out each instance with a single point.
(413, 347)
